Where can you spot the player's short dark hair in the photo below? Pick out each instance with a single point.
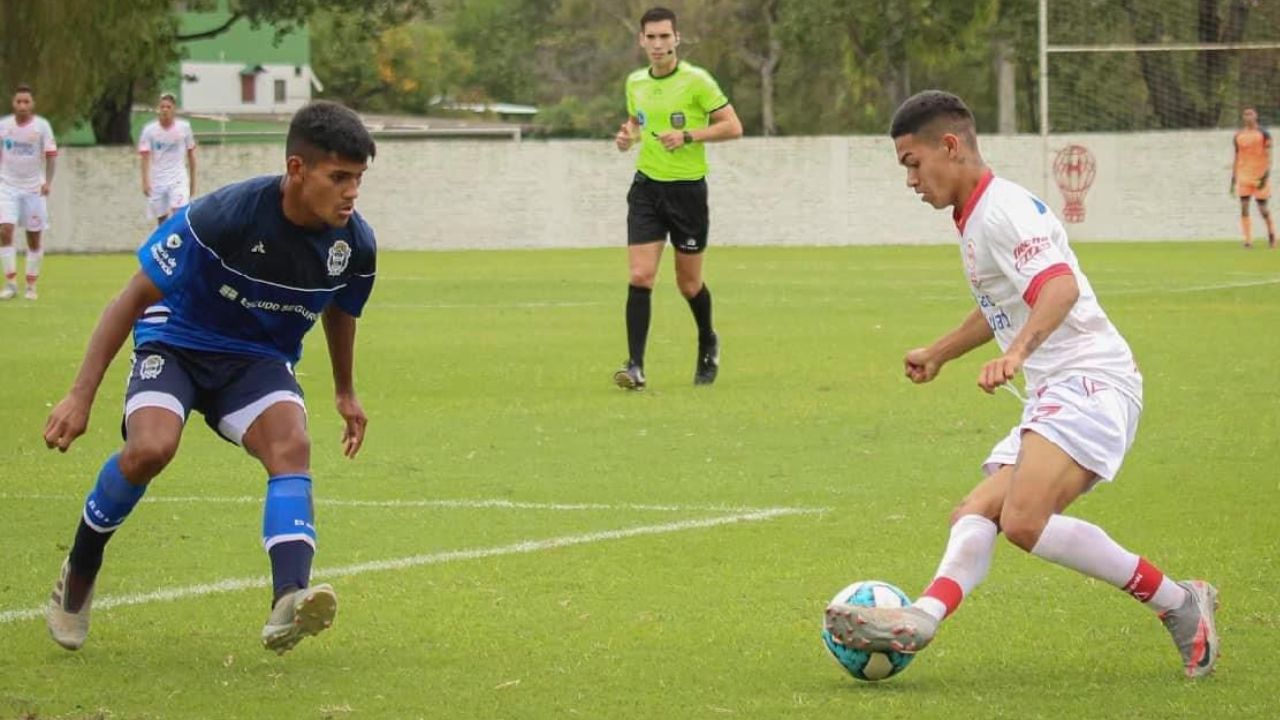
(658, 14)
(323, 128)
(921, 111)
(23, 88)
(168, 96)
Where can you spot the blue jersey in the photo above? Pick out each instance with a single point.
(239, 277)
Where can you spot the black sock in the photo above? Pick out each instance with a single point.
(700, 304)
(639, 309)
(86, 551)
(290, 567)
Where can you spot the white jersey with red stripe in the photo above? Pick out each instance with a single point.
(23, 149)
(1012, 244)
(168, 148)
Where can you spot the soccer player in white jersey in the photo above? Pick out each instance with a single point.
(1084, 396)
(168, 151)
(27, 152)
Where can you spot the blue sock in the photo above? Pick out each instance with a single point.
(106, 507)
(288, 532)
(112, 498)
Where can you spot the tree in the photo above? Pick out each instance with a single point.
(404, 67)
(1174, 104)
(69, 51)
(125, 68)
(763, 15)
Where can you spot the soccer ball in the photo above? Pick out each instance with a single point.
(862, 664)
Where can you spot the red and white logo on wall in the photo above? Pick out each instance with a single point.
(1074, 169)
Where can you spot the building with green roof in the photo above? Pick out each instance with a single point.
(243, 70)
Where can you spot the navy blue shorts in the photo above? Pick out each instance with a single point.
(229, 389)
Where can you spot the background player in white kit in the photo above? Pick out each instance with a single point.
(168, 151)
(27, 152)
(1085, 396)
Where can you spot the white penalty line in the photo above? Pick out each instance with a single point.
(1193, 288)
(463, 504)
(527, 546)
(491, 306)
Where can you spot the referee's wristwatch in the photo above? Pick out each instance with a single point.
(688, 138)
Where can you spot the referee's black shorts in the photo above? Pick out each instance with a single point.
(675, 210)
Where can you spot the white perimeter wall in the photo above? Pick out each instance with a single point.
(787, 191)
(217, 88)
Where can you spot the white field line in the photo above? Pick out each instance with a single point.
(1134, 290)
(1193, 288)
(527, 546)
(489, 306)
(482, 504)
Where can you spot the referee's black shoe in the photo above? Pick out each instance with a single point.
(630, 377)
(708, 362)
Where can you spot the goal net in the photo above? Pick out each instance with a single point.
(1127, 65)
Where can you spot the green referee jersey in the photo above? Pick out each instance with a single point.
(683, 100)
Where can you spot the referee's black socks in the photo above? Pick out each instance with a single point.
(700, 304)
(639, 310)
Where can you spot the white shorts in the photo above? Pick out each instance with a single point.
(164, 199)
(1092, 422)
(26, 209)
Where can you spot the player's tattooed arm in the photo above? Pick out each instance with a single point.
(1057, 296)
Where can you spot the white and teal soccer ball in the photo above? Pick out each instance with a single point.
(862, 664)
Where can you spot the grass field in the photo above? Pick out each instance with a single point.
(83, 134)
(520, 539)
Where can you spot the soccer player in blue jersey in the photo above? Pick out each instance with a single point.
(243, 273)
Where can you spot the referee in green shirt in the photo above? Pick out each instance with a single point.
(673, 107)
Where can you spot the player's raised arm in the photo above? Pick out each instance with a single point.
(70, 417)
(340, 333)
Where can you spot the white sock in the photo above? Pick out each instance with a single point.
(1088, 549)
(9, 261)
(964, 565)
(33, 265)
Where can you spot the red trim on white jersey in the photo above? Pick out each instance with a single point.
(1033, 290)
(961, 215)
(50, 153)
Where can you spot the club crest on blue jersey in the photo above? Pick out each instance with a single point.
(339, 254)
(173, 242)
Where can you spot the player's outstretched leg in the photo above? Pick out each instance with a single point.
(1193, 629)
(907, 629)
(67, 613)
(297, 615)
(964, 566)
(112, 499)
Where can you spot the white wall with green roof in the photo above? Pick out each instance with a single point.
(243, 70)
